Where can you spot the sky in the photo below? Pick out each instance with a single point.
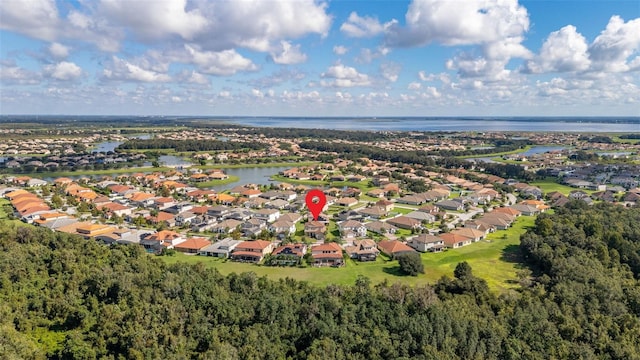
(320, 58)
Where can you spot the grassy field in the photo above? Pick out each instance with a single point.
(549, 184)
(229, 180)
(261, 165)
(495, 260)
(496, 154)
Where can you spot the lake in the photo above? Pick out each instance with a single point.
(534, 124)
(172, 160)
(542, 149)
(107, 146)
(254, 175)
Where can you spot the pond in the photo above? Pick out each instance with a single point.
(542, 149)
(253, 175)
(106, 146)
(172, 160)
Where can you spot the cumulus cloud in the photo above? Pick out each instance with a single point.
(564, 50)
(221, 63)
(357, 26)
(257, 24)
(10, 73)
(63, 71)
(35, 18)
(459, 23)
(288, 54)
(367, 55)
(390, 71)
(344, 76)
(496, 27)
(414, 86)
(122, 70)
(58, 50)
(340, 50)
(615, 44)
(155, 19)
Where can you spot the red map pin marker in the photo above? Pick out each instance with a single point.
(315, 200)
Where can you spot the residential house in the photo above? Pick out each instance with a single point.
(394, 248)
(221, 249)
(473, 234)
(423, 217)
(352, 228)
(226, 226)
(426, 242)
(282, 227)
(329, 254)
(363, 250)
(315, 229)
(381, 227)
(290, 254)
(268, 215)
(374, 212)
(252, 251)
(192, 245)
(405, 222)
(455, 241)
(452, 205)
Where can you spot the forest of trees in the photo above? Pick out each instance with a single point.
(62, 297)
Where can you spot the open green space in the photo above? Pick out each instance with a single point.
(495, 260)
(229, 180)
(496, 153)
(549, 184)
(260, 165)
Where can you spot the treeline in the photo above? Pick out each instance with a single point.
(329, 134)
(424, 158)
(630, 136)
(190, 145)
(62, 297)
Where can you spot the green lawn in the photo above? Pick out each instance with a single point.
(229, 180)
(261, 165)
(497, 153)
(550, 184)
(494, 260)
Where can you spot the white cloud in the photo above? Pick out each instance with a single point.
(192, 77)
(414, 86)
(564, 50)
(64, 71)
(367, 55)
(122, 70)
(459, 22)
(390, 71)
(340, 50)
(10, 73)
(615, 44)
(221, 63)
(58, 50)
(35, 18)
(155, 19)
(288, 54)
(366, 26)
(258, 24)
(345, 76)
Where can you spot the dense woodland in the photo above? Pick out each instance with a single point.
(579, 298)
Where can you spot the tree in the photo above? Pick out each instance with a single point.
(462, 271)
(411, 264)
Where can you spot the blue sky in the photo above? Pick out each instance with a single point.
(320, 58)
